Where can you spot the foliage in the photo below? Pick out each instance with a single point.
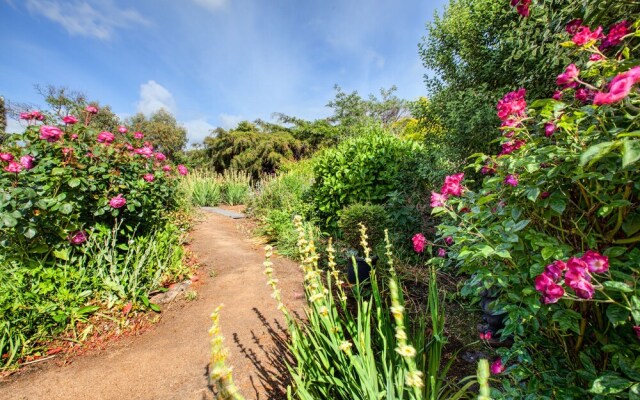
(372, 167)
(276, 202)
(83, 220)
(162, 129)
(220, 375)
(236, 187)
(202, 189)
(40, 298)
(3, 118)
(254, 148)
(367, 355)
(553, 230)
(374, 217)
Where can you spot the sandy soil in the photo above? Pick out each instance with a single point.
(170, 361)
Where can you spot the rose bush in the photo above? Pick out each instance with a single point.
(70, 178)
(553, 229)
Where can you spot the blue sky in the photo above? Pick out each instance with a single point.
(213, 62)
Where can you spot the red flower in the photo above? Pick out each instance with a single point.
(577, 278)
(557, 95)
(497, 367)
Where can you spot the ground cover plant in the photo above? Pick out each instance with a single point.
(85, 219)
(552, 230)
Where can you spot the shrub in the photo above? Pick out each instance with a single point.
(554, 228)
(373, 217)
(368, 168)
(202, 189)
(236, 187)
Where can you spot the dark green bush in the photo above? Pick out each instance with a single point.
(366, 169)
(372, 216)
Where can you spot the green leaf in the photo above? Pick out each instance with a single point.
(520, 225)
(30, 232)
(617, 315)
(8, 220)
(635, 309)
(486, 250)
(532, 193)
(596, 152)
(62, 254)
(154, 307)
(630, 152)
(66, 208)
(88, 310)
(634, 392)
(618, 286)
(631, 224)
(75, 182)
(558, 204)
(609, 384)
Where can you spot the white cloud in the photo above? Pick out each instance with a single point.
(212, 5)
(93, 18)
(153, 97)
(197, 130)
(230, 121)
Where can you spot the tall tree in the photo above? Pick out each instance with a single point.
(162, 129)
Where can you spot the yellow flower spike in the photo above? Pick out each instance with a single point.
(414, 379)
(406, 351)
(345, 346)
(324, 311)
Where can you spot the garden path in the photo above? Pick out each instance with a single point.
(170, 361)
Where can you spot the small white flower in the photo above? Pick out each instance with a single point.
(414, 379)
(345, 346)
(406, 350)
(401, 335)
(324, 311)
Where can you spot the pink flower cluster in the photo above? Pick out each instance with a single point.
(582, 35)
(569, 78)
(32, 115)
(577, 276)
(452, 186)
(182, 170)
(615, 35)
(512, 105)
(522, 6)
(26, 162)
(419, 241)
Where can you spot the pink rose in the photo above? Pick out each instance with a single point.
(160, 157)
(619, 87)
(572, 27)
(74, 136)
(6, 157)
(522, 6)
(584, 35)
(182, 170)
(511, 180)
(70, 120)
(557, 95)
(149, 177)
(138, 135)
(497, 367)
(122, 129)
(595, 57)
(26, 116)
(105, 137)
(577, 278)
(27, 161)
(510, 147)
(488, 169)
(549, 128)
(438, 200)
(584, 95)
(13, 167)
(448, 240)
(569, 77)
(145, 151)
(615, 35)
(50, 133)
(77, 237)
(37, 115)
(512, 104)
(597, 263)
(442, 252)
(452, 185)
(92, 109)
(419, 242)
(166, 168)
(118, 201)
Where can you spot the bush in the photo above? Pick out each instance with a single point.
(373, 217)
(554, 228)
(202, 189)
(369, 168)
(236, 187)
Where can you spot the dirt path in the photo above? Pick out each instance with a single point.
(170, 361)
